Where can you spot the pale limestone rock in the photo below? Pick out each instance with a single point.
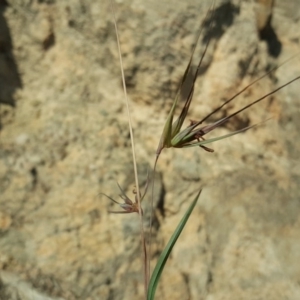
(66, 141)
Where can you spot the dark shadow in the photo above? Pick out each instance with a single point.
(49, 41)
(9, 75)
(46, 1)
(221, 19)
(268, 34)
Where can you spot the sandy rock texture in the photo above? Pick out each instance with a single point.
(65, 139)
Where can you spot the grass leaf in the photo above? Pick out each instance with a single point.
(166, 252)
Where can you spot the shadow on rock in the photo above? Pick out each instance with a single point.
(9, 75)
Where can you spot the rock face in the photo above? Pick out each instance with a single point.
(64, 140)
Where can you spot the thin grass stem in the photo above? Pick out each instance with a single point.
(142, 234)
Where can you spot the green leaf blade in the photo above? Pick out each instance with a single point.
(166, 252)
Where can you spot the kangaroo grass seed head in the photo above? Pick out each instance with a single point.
(193, 135)
(172, 135)
(129, 206)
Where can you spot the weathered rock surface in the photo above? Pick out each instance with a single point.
(64, 140)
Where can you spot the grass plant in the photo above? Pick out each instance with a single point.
(173, 136)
